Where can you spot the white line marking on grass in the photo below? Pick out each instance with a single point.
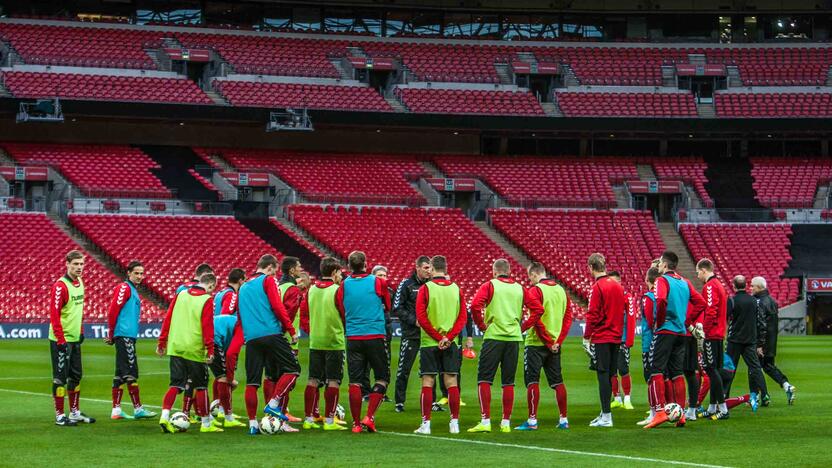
(92, 400)
(550, 449)
(47, 377)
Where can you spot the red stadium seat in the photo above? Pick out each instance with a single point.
(789, 182)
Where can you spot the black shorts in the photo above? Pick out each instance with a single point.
(605, 357)
(623, 367)
(66, 366)
(360, 353)
(496, 353)
(667, 355)
(691, 362)
(325, 365)
(712, 354)
(273, 353)
(186, 372)
(127, 363)
(541, 357)
(645, 366)
(434, 361)
(218, 364)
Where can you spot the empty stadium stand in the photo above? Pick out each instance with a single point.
(776, 66)
(789, 182)
(731, 187)
(469, 101)
(688, 169)
(746, 249)
(781, 104)
(616, 66)
(172, 246)
(600, 104)
(463, 63)
(313, 96)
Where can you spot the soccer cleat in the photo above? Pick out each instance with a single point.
(311, 425)
(275, 412)
(194, 419)
(369, 424)
(644, 421)
(119, 414)
(285, 427)
(505, 428)
(357, 429)
(340, 421)
(334, 427)
(386, 399)
(228, 424)
(616, 404)
(702, 413)
(462, 403)
(166, 426)
(62, 420)
(681, 422)
(526, 427)
(399, 408)
(563, 425)
(436, 407)
(424, 428)
(752, 400)
(790, 394)
(292, 419)
(453, 426)
(211, 428)
(600, 422)
(80, 417)
(628, 405)
(253, 431)
(442, 401)
(481, 428)
(719, 415)
(766, 401)
(658, 419)
(690, 414)
(142, 413)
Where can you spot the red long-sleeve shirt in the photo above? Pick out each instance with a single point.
(291, 301)
(381, 291)
(229, 303)
(232, 354)
(120, 296)
(207, 320)
(716, 309)
(422, 300)
(60, 296)
(483, 297)
(696, 304)
(648, 312)
(540, 327)
(304, 304)
(270, 287)
(605, 317)
(630, 330)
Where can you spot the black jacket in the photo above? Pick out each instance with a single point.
(744, 324)
(767, 310)
(404, 306)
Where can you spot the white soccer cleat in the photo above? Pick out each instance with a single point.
(424, 428)
(645, 421)
(453, 426)
(601, 422)
(285, 427)
(690, 414)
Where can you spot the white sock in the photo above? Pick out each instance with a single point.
(206, 421)
(618, 399)
(606, 417)
(253, 423)
(563, 420)
(273, 403)
(532, 421)
(485, 421)
(229, 416)
(652, 413)
(627, 399)
(165, 414)
(426, 424)
(505, 422)
(309, 419)
(786, 386)
(723, 408)
(116, 409)
(330, 420)
(711, 408)
(454, 421)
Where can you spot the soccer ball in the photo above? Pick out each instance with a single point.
(269, 425)
(673, 411)
(215, 408)
(180, 421)
(339, 412)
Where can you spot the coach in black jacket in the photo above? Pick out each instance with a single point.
(404, 306)
(768, 311)
(745, 333)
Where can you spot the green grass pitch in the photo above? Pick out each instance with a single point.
(777, 435)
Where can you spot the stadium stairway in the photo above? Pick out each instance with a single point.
(730, 185)
(645, 172)
(91, 248)
(283, 242)
(174, 162)
(673, 241)
(810, 251)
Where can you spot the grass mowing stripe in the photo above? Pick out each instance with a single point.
(46, 377)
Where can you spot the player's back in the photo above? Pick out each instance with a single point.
(363, 308)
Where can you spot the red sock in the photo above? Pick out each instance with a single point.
(626, 384)
(225, 396)
(375, 402)
(268, 389)
(560, 396)
(170, 398)
(355, 403)
(59, 404)
(117, 393)
(533, 397)
(316, 412)
(484, 391)
(251, 402)
(201, 397)
(283, 387)
(309, 400)
(283, 401)
(216, 389)
(669, 392)
(453, 401)
(74, 396)
(679, 391)
(508, 401)
(736, 401)
(656, 387)
(426, 401)
(187, 401)
(614, 383)
(704, 387)
(133, 390)
(331, 399)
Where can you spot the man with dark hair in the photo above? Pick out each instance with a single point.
(767, 309)
(265, 322)
(745, 330)
(380, 271)
(627, 340)
(603, 331)
(404, 307)
(497, 309)
(225, 301)
(648, 322)
(123, 324)
(201, 269)
(441, 314)
(225, 326)
(290, 294)
(66, 333)
(678, 307)
(543, 345)
(715, 323)
(362, 300)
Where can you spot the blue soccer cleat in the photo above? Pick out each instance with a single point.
(142, 413)
(563, 425)
(253, 431)
(526, 427)
(276, 413)
(754, 402)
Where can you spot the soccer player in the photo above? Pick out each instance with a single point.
(187, 337)
(745, 330)
(187, 398)
(767, 309)
(321, 320)
(441, 314)
(543, 344)
(123, 325)
(677, 304)
(224, 326)
(623, 365)
(716, 309)
(603, 331)
(225, 301)
(264, 321)
(381, 272)
(497, 309)
(363, 300)
(404, 307)
(66, 314)
(648, 321)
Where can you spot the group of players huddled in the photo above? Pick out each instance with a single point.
(346, 317)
